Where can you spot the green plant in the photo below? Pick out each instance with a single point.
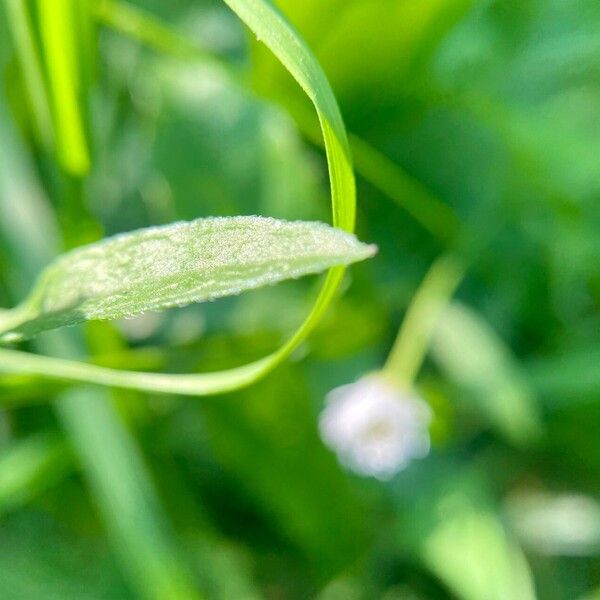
(422, 425)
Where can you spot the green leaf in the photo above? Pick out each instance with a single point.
(174, 265)
(451, 521)
(59, 33)
(269, 25)
(469, 550)
(470, 352)
(20, 25)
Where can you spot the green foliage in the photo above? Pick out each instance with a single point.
(289, 48)
(472, 128)
(473, 356)
(157, 268)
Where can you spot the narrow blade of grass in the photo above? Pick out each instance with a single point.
(473, 355)
(125, 496)
(20, 23)
(57, 25)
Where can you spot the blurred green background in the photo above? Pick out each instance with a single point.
(475, 129)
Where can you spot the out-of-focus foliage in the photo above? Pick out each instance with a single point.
(474, 128)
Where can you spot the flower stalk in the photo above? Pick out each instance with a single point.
(410, 348)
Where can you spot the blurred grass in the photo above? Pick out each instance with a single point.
(132, 515)
(27, 53)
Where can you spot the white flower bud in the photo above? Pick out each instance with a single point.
(375, 428)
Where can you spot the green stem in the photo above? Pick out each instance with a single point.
(410, 348)
(203, 384)
(409, 193)
(11, 320)
(28, 56)
(59, 41)
(144, 27)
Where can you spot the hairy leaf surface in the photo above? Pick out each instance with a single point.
(177, 264)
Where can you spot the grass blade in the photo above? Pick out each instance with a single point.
(473, 355)
(57, 24)
(19, 19)
(125, 496)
